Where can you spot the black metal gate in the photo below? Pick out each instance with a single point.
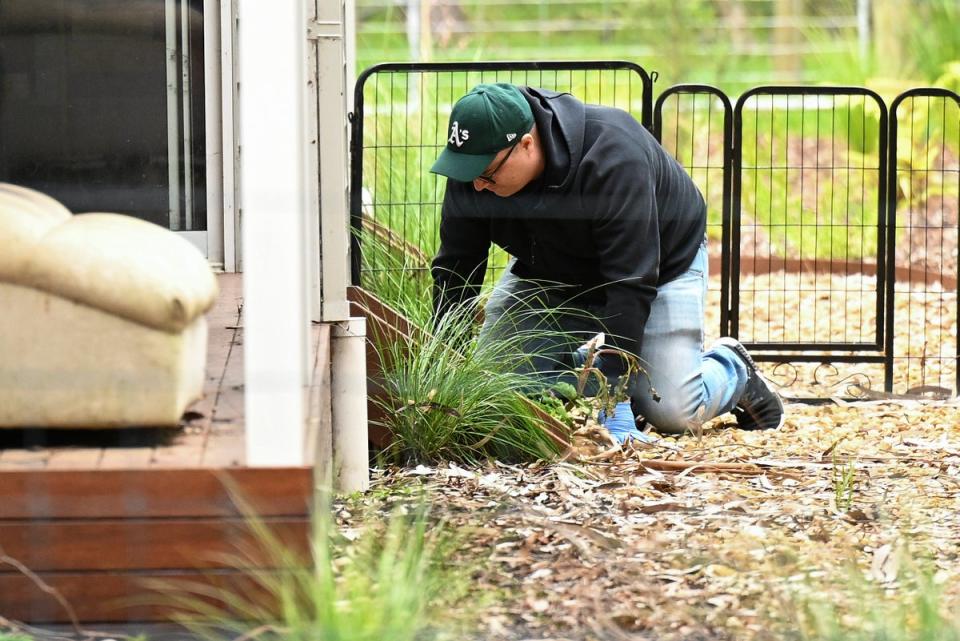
(820, 277)
(807, 260)
(833, 226)
(923, 192)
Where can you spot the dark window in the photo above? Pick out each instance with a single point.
(101, 105)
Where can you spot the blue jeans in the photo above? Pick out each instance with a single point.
(694, 386)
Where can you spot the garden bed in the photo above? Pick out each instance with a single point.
(850, 510)
(839, 508)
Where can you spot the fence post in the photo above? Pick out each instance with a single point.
(786, 38)
(889, 16)
(863, 29)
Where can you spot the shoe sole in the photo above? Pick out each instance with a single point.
(738, 347)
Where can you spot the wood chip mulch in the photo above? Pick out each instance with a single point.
(712, 536)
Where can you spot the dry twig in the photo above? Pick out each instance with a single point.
(44, 587)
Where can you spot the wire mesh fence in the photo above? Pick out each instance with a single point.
(832, 222)
(924, 187)
(694, 123)
(400, 128)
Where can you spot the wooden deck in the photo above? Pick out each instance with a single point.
(96, 514)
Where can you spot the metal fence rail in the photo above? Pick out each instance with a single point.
(833, 222)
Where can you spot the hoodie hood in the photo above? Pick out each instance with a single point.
(561, 120)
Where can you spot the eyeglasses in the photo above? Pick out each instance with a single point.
(488, 178)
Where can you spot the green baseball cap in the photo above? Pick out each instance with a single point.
(490, 118)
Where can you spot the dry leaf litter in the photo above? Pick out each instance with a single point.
(598, 547)
(717, 535)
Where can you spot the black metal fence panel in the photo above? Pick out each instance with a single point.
(832, 222)
(807, 226)
(399, 128)
(695, 124)
(924, 196)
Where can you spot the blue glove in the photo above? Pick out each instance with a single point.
(621, 424)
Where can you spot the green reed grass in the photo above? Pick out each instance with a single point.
(451, 397)
(914, 606)
(389, 580)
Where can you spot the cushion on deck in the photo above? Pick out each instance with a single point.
(103, 317)
(25, 217)
(118, 264)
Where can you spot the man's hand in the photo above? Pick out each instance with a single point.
(622, 425)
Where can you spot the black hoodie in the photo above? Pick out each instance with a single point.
(613, 216)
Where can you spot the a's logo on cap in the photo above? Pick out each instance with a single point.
(510, 137)
(458, 136)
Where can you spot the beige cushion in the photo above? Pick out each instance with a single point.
(25, 217)
(117, 264)
(70, 365)
(102, 322)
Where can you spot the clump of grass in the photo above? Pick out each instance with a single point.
(396, 276)
(397, 271)
(912, 606)
(390, 580)
(451, 397)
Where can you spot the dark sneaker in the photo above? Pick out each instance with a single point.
(760, 408)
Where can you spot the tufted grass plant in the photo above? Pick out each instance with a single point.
(388, 579)
(911, 605)
(397, 278)
(452, 397)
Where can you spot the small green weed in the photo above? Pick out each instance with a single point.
(557, 408)
(844, 484)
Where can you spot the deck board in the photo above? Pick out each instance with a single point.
(97, 512)
(75, 458)
(128, 597)
(153, 494)
(129, 455)
(211, 434)
(54, 546)
(224, 440)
